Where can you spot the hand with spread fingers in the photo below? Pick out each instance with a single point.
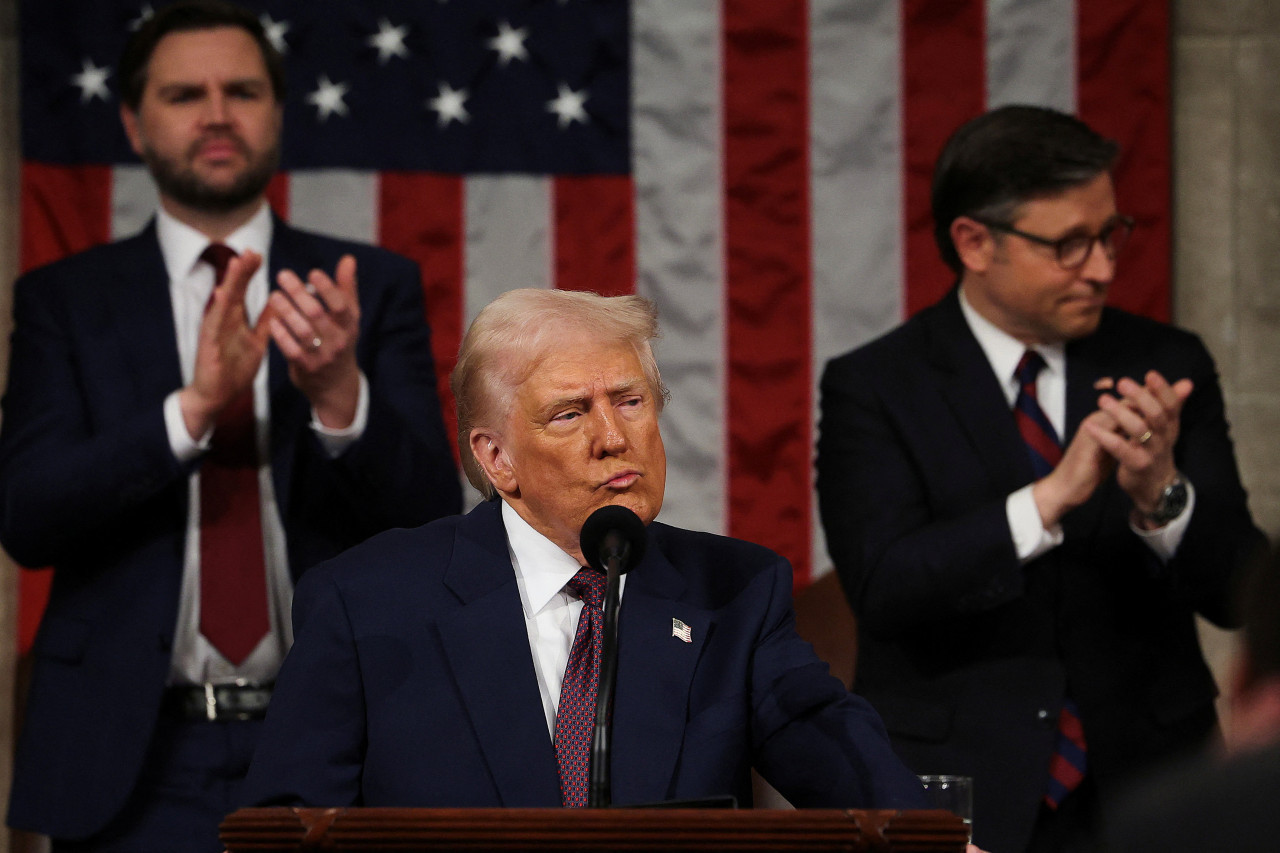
(316, 325)
(1146, 420)
(229, 350)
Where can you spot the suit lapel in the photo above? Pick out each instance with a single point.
(655, 670)
(289, 410)
(139, 311)
(488, 649)
(974, 395)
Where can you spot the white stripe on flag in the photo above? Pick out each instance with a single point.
(855, 163)
(133, 200)
(676, 127)
(507, 235)
(1031, 53)
(338, 202)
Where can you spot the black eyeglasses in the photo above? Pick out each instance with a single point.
(1073, 250)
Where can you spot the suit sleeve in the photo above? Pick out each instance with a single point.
(72, 475)
(1221, 537)
(819, 745)
(312, 747)
(401, 471)
(913, 538)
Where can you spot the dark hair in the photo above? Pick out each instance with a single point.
(1259, 608)
(186, 16)
(1009, 156)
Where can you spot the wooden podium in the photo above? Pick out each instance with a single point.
(667, 830)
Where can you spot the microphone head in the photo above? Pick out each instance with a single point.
(613, 531)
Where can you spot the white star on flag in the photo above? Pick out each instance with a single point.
(568, 106)
(509, 43)
(327, 98)
(681, 630)
(389, 41)
(275, 31)
(143, 15)
(92, 82)
(450, 105)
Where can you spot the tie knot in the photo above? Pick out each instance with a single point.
(1029, 368)
(218, 255)
(588, 584)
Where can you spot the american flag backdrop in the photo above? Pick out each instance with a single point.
(758, 168)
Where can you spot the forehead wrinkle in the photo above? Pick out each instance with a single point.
(583, 395)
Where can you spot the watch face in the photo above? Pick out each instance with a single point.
(1172, 502)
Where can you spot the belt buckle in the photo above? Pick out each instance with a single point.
(210, 702)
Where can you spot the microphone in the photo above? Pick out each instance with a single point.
(613, 541)
(613, 532)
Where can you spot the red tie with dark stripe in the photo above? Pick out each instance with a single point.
(233, 576)
(575, 716)
(1067, 767)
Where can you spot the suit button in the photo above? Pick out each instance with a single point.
(1044, 718)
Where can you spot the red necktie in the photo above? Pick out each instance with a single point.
(233, 585)
(1069, 762)
(575, 717)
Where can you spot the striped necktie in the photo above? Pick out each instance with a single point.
(1043, 445)
(1069, 762)
(576, 713)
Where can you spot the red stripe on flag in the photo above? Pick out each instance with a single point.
(943, 85)
(278, 194)
(1124, 92)
(767, 239)
(64, 209)
(421, 216)
(595, 234)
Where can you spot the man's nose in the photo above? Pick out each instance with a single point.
(608, 435)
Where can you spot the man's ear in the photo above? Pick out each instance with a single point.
(129, 119)
(974, 243)
(487, 448)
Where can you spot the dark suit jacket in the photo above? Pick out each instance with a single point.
(967, 654)
(89, 486)
(411, 683)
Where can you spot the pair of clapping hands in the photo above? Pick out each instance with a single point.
(315, 323)
(1132, 433)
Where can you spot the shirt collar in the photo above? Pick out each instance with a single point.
(542, 567)
(181, 245)
(1003, 350)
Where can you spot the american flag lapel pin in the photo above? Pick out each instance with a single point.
(681, 630)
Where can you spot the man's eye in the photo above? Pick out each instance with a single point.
(566, 416)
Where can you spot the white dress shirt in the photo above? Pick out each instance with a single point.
(550, 611)
(1003, 351)
(191, 282)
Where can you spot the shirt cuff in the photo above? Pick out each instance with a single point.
(1030, 538)
(185, 448)
(335, 441)
(1164, 541)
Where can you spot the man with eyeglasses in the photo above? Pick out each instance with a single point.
(1028, 496)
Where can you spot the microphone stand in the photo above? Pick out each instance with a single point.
(599, 794)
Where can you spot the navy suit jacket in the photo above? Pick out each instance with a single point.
(412, 684)
(89, 486)
(966, 653)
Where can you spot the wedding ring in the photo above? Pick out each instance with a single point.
(1144, 438)
(316, 342)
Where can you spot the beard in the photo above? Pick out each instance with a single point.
(180, 182)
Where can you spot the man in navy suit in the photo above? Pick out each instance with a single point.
(141, 718)
(429, 663)
(997, 601)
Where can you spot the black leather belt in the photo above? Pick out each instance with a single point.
(235, 700)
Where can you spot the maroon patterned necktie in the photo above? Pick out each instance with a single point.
(575, 717)
(233, 576)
